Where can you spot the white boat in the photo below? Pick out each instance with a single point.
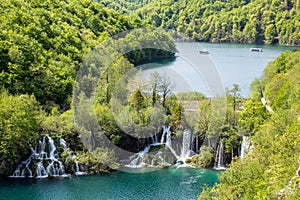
(256, 49)
(204, 52)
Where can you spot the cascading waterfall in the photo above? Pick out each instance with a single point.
(186, 148)
(63, 143)
(219, 161)
(144, 159)
(43, 164)
(137, 160)
(169, 143)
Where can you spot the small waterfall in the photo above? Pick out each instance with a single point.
(166, 129)
(42, 154)
(137, 160)
(52, 147)
(169, 143)
(146, 159)
(186, 145)
(44, 166)
(41, 171)
(63, 143)
(78, 172)
(154, 139)
(219, 160)
(245, 146)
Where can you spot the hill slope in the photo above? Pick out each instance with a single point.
(246, 21)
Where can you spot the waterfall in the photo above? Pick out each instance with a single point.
(168, 139)
(42, 154)
(44, 166)
(219, 160)
(245, 146)
(169, 144)
(52, 148)
(186, 145)
(78, 172)
(63, 143)
(154, 139)
(137, 160)
(41, 171)
(166, 129)
(146, 159)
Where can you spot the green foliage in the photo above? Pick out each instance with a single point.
(42, 44)
(137, 102)
(125, 6)
(61, 125)
(98, 161)
(93, 162)
(19, 123)
(189, 96)
(174, 110)
(248, 21)
(271, 165)
(148, 46)
(205, 159)
(253, 115)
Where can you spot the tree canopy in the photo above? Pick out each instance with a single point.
(42, 44)
(239, 21)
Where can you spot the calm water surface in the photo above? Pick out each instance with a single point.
(171, 183)
(235, 63)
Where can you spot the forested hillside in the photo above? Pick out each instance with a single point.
(42, 44)
(270, 170)
(246, 21)
(42, 47)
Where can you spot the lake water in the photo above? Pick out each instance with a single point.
(171, 183)
(226, 64)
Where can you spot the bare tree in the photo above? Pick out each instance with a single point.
(166, 88)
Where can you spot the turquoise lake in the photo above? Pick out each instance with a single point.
(171, 183)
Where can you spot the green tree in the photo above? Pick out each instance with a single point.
(19, 124)
(137, 101)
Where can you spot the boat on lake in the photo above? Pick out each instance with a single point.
(204, 52)
(256, 49)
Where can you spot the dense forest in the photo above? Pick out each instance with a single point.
(246, 21)
(125, 6)
(42, 46)
(270, 171)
